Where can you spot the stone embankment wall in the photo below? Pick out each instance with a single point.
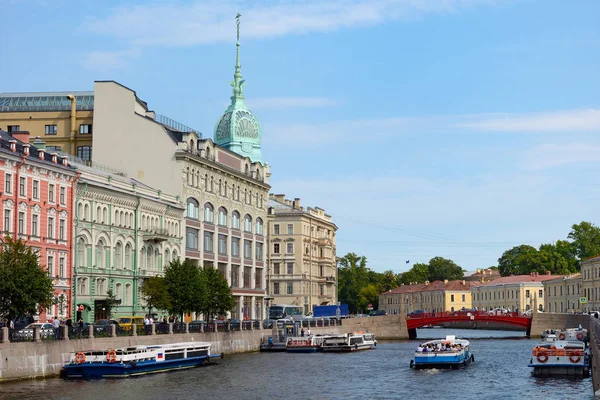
(542, 321)
(387, 327)
(594, 335)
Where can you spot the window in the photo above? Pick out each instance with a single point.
(63, 195)
(85, 129)
(84, 152)
(560, 294)
(61, 267)
(259, 251)
(22, 223)
(119, 255)
(61, 229)
(36, 189)
(208, 242)
(209, 215)
(247, 223)
(290, 229)
(235, 247)
(50, 227)
(289, 248)
(276, 270)
(191, 238)
(290, 288)
(276, 229)
(53, 149)
(321, 270)
(322, 290)
(22, 186)
(259, 226)
(464, 296)
(222, 244)
(290, 268)
(247, 249)
(8, 183)
(192, 208)
(51, 193)
(128, 256)
(276, 288)
(222, 216)
(452, 297)
(34, 225)
(51, 129)
(235, 220)
(276, 248)
(13, 128)
(50, 265)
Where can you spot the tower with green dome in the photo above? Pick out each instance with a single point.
(238, 129)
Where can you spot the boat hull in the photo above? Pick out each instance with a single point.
(345, 348)
(106, 370)
(273, 347)
(560, 370)
(304, 349)
(442, 361)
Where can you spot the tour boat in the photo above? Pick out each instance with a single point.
(443, 353)
(561, 357)
(137, 360)
(349, 342)
(305, 344)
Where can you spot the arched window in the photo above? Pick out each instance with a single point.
(127, 297)
(119, 292)
(247, 170)
(188, 175)
(175, 255)
(149, 264)
(167, 257)
(156, 259)
(143, 258)
(81, 257)
(222, 216)
(99, 215)
(80, 211)
(209, 214)
(119, 255)
(100, 256)
(259, 226)
(128, 256)
(247, 223)
(122, 218)
(225, 189)
(105, 216)
(235, 220)
(206, 183)
(192, 208)
(208, 152)
(86, 212)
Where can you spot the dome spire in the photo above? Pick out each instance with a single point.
(238, 82)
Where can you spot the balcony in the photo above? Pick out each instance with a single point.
(324, 241)
(330, 279)
(156, 235)
(288, 276)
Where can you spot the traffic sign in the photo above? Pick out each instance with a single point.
(583, 300)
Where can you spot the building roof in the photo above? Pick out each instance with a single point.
(5, 139)
(533, 277)
(434, 286)
(562, 278)
(45, 101)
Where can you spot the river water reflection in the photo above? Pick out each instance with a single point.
(500, 372)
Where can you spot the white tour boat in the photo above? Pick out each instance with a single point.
(349, 342)
(560, 357)
(443, 353)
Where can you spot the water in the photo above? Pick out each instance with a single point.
(500, 372)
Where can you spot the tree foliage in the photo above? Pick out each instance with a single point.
(24, 285)
(353, 275)
(155, 293)
(185, 287)
(218, 298)
(585, 238)
(109, 302)
(438, 269)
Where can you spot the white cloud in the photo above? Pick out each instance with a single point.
(109, 60)
(200, 22)
(277, 103)
(554, 121)
(551, 155)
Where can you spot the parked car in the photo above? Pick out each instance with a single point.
(595, 314)
(376, 313)
(498, 311)
(416, 313)
(102, 325)
(46, 331)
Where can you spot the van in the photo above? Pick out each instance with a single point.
(126, 322)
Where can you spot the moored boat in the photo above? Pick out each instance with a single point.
(305, 344)
(561, 357)
(348, 342)
(443, 353)
(137, 360)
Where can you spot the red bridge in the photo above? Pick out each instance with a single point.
(418, 321)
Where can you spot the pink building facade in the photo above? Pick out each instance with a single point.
(36, 191)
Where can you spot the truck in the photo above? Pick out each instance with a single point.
(330, 311)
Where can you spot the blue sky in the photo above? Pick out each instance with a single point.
(454, 128)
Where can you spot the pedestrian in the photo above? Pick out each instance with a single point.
(147, 325)
(302, 332)
(56, 326)
(308, 332)
(164, 320)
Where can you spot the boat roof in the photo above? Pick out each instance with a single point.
(561, 344)
(449, 339)
(165, 346)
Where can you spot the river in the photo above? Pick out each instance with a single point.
(500, 372)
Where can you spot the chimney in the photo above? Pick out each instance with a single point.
(297, 203)
(54, 158)
(64, 160)
(26, 149)
(41, 153)
(13, 144)
(478, 270)
(39, 143)
(445, 281)
(464, 283)
(548, 273)
(279, 198)
(426, 283)
(23, 136)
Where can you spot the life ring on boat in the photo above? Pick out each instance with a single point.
(579, 335)
(562, 336)
(574, 358)
(542, 357)
(80, 358)
(111, 356)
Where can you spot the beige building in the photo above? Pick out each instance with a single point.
(301, 257)
(437, 296)
(64, 120)
(563, 294)
(483, 275)
(515, 292)
(590, 283)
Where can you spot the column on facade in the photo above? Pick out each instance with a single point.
(241, 308)
(252, 308)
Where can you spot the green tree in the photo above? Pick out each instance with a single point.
(369, 295)
(109, 302)
(418, 273)
(185, 286)
(25, 287)
(585, 237)
(353, 275)
(441, 268)
(551, 259)
(519, 260)
(155, 293)
(218, 298)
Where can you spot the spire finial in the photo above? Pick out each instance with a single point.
(238, 82)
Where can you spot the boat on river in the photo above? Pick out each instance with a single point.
(571, 334)
(443, 353)
(348, 342)
(305, 344)
(137, 360)
(560, 357)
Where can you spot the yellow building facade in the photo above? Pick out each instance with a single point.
(436, 296)
(590, 284)
(563, 294)
(64, 120)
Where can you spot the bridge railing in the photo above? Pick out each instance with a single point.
(450, 314)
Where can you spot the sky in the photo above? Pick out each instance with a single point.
(452, 128)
